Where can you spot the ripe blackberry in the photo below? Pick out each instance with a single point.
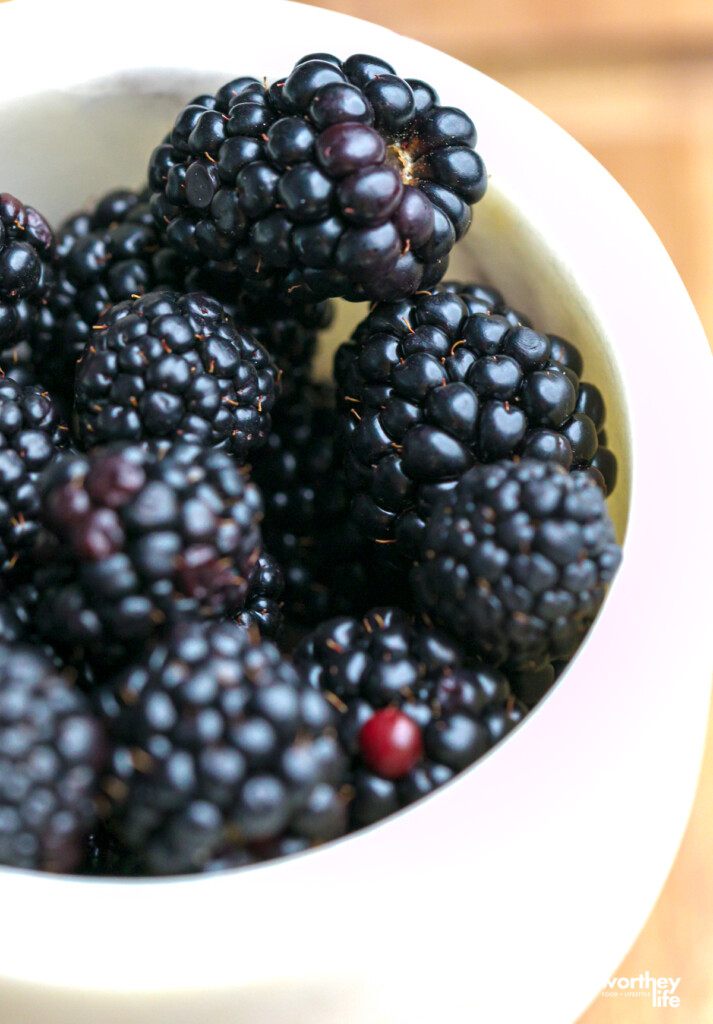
(439, 382)
(286, 324)
(530, 687)
(287, 846)
(412, 710)
(19, 601)
(329, 568)
(13, 621)
(18, 609)
(105, 856)
(263, 604)
(219, 747)
(479, 298)
(105, 255)
(168, 365)
(26, 276)
(134, 537)
(342, 179)
(516, 560)
(51, 750)
(31, 434)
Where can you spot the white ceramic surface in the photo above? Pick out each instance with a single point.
(512, 893)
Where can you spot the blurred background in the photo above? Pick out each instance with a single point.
(633, 82)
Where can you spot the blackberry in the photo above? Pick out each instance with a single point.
(51, 750)
(286, 324)
(18, 609)
(167, 365)
(479, 298)
(605, 464)
(26, 278)
(342, 179)
(329, 568)
(19, 602)
(134, 537)
(530, 687)
(412, 710)
(105, 255)
(105, 856)
(439, 382)
(219, 747)
(14, 625)
(287, 846)
(516, 560)
(31, 434)
(263, 604)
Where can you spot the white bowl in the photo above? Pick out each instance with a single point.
(516, 890)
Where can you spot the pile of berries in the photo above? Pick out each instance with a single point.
(244, 611)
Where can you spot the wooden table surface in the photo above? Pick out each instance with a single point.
(633, 82)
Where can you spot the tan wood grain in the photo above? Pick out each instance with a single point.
(527, 27)
(633, 82)
(650, 123)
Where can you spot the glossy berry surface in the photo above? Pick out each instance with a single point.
(26, 279)
(218, 748)
(330, 569)
(263, 603)
(413, 710)
(174, 366)
(516, 561)
(341, 178)
(437, 383)
(19, 600)
(51, 751)
(31, 435)
(286, 324)
(135, 537)
(104, 255)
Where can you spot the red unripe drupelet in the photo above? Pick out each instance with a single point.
(390, 743)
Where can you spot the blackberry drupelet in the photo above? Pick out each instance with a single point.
(436, 383)
(51, 751)
(105, 255)
(329, 568)
(104, 856)
(516, 560)
(26, 278)
(31, 435)
(134, 537)
(286, 324)
(219, 747)
(530, 687)
(287, 846)
(18, 609)
(342, 179)
(14, 624)
(412, 710)
(479, 298)
(263, 604)
(19, 602)
(174, 366)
